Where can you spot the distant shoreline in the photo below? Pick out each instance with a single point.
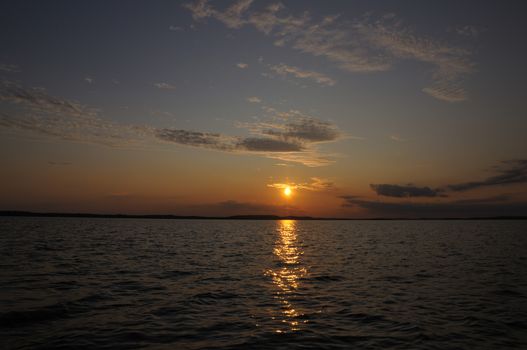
(15, 213)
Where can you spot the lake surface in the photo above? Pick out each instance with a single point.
(176, 284)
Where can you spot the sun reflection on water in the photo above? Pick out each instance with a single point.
(288, 274)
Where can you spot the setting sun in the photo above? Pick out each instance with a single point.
(287, 191)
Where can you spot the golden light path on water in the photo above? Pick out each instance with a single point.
(287, 276)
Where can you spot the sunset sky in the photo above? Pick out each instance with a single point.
(362, 108)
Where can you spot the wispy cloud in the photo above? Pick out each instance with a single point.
(254, 99)
(397, 138)
(164, 86)
(231, 16)
(366, 44)
(317, 184)
(10, 68)
(399, 191)
(175, 28)
(468, 31)
(41, 113)
(288, 136)
(242, 65)
(89, 80)
(509, 172)
(38, 100)
(296, 126)
(285, 70)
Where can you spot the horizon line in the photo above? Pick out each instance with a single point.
(22, 213)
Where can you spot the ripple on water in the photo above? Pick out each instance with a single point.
(95, 283)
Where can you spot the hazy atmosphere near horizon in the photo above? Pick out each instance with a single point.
(253, 174)
(361, 109)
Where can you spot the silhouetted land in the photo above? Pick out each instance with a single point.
(234, 217)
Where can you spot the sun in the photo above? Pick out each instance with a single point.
(287, 191)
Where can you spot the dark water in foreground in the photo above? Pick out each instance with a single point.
(93, 283)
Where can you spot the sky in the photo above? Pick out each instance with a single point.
(363, 109)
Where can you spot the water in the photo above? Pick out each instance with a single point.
(95, 283)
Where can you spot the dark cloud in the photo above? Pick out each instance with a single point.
(399, 191)
(194, 138)
(513, 171)
(510, 172)
(268, 145)
(484, 207)
(290, 136)
(306, 130)
(226, 143)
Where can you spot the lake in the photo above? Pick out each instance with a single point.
(226, 284)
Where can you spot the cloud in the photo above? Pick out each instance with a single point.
(294, 125)
(254, 99)
(231, 16)
(468, 31)
(287, 136)
(226, 143)
(164, 86)
(89, 80)
(175, 28)
(39, 113)
(39, 101)
(451, 64)
(320, 78)
(196, 139)
(10, 68)
(242, 65)
(397, 138)
(399, 191)
(365, 44)
(493, 206)
(511, 172)
(268, 145)
(317, 184)
(306, 129)
(447, 92)
(268, 20)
